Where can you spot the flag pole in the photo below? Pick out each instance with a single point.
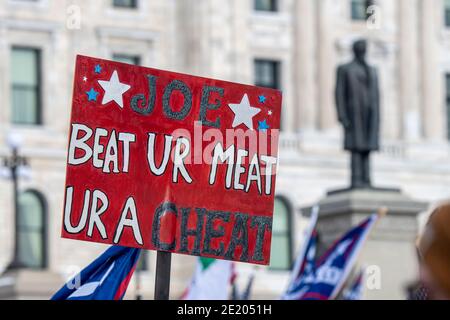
(162, 275)
(382, 212)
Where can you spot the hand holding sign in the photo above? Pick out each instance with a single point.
(171, 162)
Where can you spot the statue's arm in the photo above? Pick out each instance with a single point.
(340, 96)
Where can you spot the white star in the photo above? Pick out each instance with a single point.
(243, 112)
(114, 89)
(269, 112)
(84, 78)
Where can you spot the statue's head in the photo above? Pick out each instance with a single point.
(360, 49)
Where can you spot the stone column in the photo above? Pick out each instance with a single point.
(409, 70)
(194, 36)
(306, 107)
(242, 63)
(327, 64)
(6, 196)
(432, 77)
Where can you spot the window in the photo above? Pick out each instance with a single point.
(266, 5)
(125, 58)
(359, 9)
(125, 3)
(281, 251)
(447, 12)
(25, 86)
(267, 73)
(31, 238)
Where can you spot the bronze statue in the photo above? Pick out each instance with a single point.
(358, 109)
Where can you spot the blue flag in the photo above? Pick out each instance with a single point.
(106, 278)
(305, 266)
(323, 279)
(306, 273)
(236, 295)
(334, 266)
(355, 290)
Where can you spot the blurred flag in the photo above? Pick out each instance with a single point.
(236, 295)
(333, 268)
(304, 268)
(106, 278)
(355, 289)
(324, 279)
(211, 280)
(248, 289)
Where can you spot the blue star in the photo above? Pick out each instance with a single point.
(97, 69)
(262, 125)
(92, 95)
(262, 99)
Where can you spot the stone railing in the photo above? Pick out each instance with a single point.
(294, 143)
(393, 149)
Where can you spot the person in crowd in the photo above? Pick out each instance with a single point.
(434, 257)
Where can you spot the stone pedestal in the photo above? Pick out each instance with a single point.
(390, 247)
(29, 284)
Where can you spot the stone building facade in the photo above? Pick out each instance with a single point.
(294, 45)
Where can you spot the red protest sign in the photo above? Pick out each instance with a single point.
(172, 162)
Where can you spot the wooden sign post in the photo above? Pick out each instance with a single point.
(171, 162)
(162, 275)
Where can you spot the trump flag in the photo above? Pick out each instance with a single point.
(106, 278)
(305, 265)
(355, 290)
(324, 279)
